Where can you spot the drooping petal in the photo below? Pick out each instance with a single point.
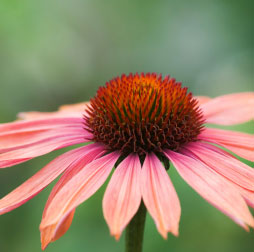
(63, 227)
(247, 195)
(40, 124)
(54, 232)
(122, 197)
(78, 107)
(77, 189)
(25, 135)
(159, 196)
(41, 179)
(32, 115)
(213, 187)
(229, 137)
(229, 167)
(13, 141)
(229, 109)
(72, 110)
(202, 99)
(241, 144)
(39, 148)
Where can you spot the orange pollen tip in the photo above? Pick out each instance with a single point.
(143, 113)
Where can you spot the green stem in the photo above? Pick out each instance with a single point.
(135, 231)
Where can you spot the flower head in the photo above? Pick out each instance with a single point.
(137, 123)
(143, 113)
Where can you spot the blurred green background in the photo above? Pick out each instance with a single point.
(59, 52)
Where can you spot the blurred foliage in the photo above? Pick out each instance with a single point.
(59, 52)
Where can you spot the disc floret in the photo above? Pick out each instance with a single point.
(143, 113)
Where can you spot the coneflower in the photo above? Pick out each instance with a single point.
(139, 124)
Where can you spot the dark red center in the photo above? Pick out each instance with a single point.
(143, 113)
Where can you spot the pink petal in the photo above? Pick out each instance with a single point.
(54, 232)
(241, 144)
(213, 187)
(247, 195)
(122, 197)
(231, 168)
(229, 109)
(78, 107)
(77, 189)
(39, 124)
(35, 115)
(34, 150)
(41, 179)
(229, 137)
(73, 110)
(159, 196)
(202, 99)
(11, 141)
(63, 227)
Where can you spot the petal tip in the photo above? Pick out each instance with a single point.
(44, 242)
(115, 234)
(43, 246)
(164, 234)
(246, 228)
(175, 233)
(251, 224)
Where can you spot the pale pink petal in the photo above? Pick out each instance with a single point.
(229, 109)
(88, 154)
(219, 150)
(247, 195)
(35, 115)
(63, 227)
(73, 110)
(241, 152)
(40, 124)
(231, 168)
(41, 179)
(78, 188)
(14, 140)
(229, 137)
(34, 150)
(213, 187)
(54, 232)
(159, 196)
(74, 107)
(202, 99)
(241, 144)
(122, 197)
